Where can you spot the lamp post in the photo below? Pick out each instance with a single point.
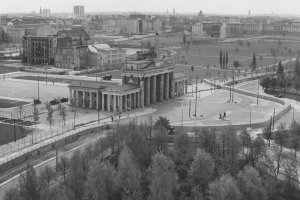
(257, 91)
(190, 108)
(98, 114)
(182, 114)
(250, 114)
(38, 79)
(273, 122)
(74, 110)
(196, 100)
(46, 77)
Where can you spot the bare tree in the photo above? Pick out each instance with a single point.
(35, 113)
(267, 133)
(202, 169)
(47, 175)
(250, 184)
(273, 53)
(273, 160)
(49, 113)
(12, 194)
(20, 109)
(224, 188)
(59, 106)
(72, 103)
(63, 113)
(163, 178)
(29, 184)
(129, 176)
(63, 166)
(290, 170)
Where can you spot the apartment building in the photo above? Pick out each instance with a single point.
(103, 55)
(39, 50)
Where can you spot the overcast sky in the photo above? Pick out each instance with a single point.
(207, 6)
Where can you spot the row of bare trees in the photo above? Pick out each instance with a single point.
(136, 162)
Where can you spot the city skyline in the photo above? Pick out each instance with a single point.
(234, 7)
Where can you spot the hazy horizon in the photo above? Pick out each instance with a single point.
(234, 7)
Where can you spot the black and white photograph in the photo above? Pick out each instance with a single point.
(149, 100)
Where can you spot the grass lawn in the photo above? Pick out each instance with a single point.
(43, 78)
(208, 54)
(7, 133)
(7, 103)
(4, 69)
(29, 90)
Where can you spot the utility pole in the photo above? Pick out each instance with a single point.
(192, 89)
(113, 141)
(98, 114)
(150, 143)
(229, 92)
(74, 110)
(46, 77)
(257, 91)
(214, 83)
(56, 157)
(38, 78)
(15, 135)
(293, 118)
(233, 84)
(182, 114)
(273, 119)
(190, 108)
(250, 117)
(196, 97)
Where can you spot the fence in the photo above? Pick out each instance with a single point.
(27, 111)
(42, 145)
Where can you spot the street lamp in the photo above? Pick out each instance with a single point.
(46, 76)
(182, 114)
(257, 91)
(98, 114)
(250, 114)
(38, 79)
(74, 108)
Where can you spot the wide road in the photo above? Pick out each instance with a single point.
(11, 178)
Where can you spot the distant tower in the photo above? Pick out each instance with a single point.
(40, 10)
(78, 11)
(173, 10)
(167, 12)
(200, 13)
(249, 13)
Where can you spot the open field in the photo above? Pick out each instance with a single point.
(4, 69)
(7, 103)
(29, 91)
(43, 78)
(7, 133)
(208, 54)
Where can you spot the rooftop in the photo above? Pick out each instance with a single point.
(75, 31)
(104, 86)
(180, 75)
